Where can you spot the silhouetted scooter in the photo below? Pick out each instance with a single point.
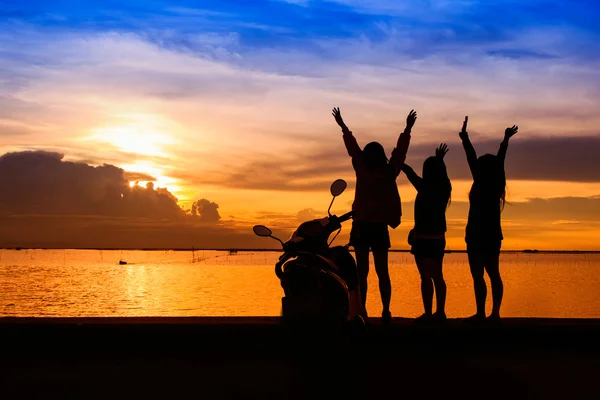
(320, 282)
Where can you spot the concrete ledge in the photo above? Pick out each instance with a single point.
(591, 322)
(239, 358)
(224, 335)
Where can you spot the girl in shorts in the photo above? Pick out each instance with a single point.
(427, 238)
(484, 233)
(376, 205)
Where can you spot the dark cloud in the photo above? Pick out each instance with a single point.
(48, 202)
(206, 210)
(538, 158)
(573, 159)
(39, 182)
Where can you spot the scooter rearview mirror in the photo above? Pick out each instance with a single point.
(338, 187)
(261, 230)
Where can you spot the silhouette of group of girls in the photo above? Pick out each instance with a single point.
(377, 205)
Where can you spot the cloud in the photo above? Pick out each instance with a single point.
(565, 223)
(206, 210)
(278, 173)
(536, 158)
(247, 96)
(39, 182)
(575, 209)
(573, 222)
(46, 201)
(138, 176)
(13, 130)
(295, 86)
(309, 214)
(581, 210)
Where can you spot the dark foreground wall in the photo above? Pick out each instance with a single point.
(260, 358)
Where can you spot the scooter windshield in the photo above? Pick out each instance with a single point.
(309, 230)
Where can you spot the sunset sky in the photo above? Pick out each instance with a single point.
(225, 107)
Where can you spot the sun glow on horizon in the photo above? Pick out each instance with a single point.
(161, 180)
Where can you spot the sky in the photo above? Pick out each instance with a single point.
(221, 112)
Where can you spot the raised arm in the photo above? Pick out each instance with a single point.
(412, 176)
(349, 140)
(399, 152)
(508, 133)
(468, 146)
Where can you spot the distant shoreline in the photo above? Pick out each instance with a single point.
(233, 250)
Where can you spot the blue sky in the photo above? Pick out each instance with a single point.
(431, 26)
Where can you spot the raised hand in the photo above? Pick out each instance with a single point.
(441, 151)
(338, 118)
(411, 119)
(510, 132)
(463, 133)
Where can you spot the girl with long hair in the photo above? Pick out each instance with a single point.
(428, 237)
(376, 205)
(484, 232)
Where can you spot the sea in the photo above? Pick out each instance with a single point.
(85, 283)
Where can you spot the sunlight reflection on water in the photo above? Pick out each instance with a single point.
(213, 283)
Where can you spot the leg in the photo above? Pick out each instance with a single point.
(492, 267)
(362, 264)
(477, 269)
(440, 285)
(380, 257)
(424, 267)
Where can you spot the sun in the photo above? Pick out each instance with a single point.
(160, 175)
(134, 139)
(144, 140)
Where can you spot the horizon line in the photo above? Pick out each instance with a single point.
(526, 251)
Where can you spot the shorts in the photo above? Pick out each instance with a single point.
(488, 247)
(428, 248)
(374, 235)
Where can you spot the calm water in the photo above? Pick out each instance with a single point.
(210, 283)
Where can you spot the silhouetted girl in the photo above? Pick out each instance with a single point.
(376, 205)
(428, 237)
(484, 233)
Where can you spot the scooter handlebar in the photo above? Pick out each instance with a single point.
(346, 216)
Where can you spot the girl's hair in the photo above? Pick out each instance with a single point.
(436, 175)
(375, 157)
(490, 179)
